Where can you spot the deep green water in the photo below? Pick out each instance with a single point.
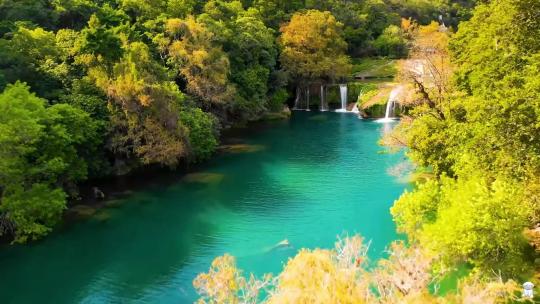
(310, 179)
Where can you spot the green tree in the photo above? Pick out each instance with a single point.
(391, 43)
(251, 48)
(42, 153)
(478, 136)
(145, 108)
(36, 12)
(202, 132)
(468, 220)
(32, 55)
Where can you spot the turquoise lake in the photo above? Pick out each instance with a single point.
(308, 180)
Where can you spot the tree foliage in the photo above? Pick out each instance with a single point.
(313, 47)
(42, 149)
(342, 275)
(125, 84)
(475, 125)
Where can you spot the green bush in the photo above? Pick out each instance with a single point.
(391, 43)
(202, 131)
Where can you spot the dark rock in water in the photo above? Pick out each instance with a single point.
(98, 194)
(363, 114)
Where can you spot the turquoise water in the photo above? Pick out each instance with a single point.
(306, 180)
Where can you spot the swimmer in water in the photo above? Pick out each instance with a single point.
(285, 244)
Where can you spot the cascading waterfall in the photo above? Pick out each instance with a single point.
(355, 108)
(390, 104)
(343, 91)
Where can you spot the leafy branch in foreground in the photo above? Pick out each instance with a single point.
(343, 275)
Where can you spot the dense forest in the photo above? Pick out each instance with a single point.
(100, 88)
(96, 88)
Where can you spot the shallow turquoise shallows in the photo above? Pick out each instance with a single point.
(306, 180)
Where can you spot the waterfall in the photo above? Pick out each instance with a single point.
(355, 108)
(390, 104)
(323, 106)
(307, 97)
(297, 100)
(343, 91)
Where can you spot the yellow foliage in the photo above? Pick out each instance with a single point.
(314, 277)
(173, 26)
(338, 276)
(204, 65)
(406, 24)
(145, 107)
(220, 283)
(313, 46)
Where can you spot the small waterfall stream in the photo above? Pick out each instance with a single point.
(324, 107)
(307, 97)
(390, 104)
(355, 108)
(297, 100)
(343, 93)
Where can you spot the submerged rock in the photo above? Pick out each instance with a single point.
(241, 148)
(284, 114)
(102, 216)
(82, 211)
(203, 178)
(113, 203)
(319, 118)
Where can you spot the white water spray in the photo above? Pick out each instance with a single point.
(390, 104)
(343, 93)
(355, 108)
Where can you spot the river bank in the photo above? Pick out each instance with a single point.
(118, 187)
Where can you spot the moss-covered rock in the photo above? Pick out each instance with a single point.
(284, 114)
